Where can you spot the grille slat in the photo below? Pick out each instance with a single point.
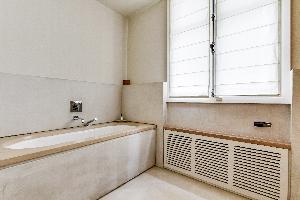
(261, 181)
(258, 161)
(258, 171)
(247, 188)
(260, 168)
(259, 157)
(206, 163)
(259, 176)
(179, 151)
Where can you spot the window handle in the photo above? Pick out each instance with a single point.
(263, 124)
(212, 47)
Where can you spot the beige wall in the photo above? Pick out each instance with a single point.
(69, 39)
(147, 45)
(144, 100)
(146, 103)
(295, 34)
(235, 119)
(52, 52)
(30, 104)
(295, 136)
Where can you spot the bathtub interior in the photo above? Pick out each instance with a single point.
(69, 137)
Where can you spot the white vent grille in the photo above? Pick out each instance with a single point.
(211, 160)
(254, 171)
(257, 171)
(179, 151)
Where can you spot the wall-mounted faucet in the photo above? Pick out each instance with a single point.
(91, 121)
(75, 118)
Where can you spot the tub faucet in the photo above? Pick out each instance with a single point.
(91, 121)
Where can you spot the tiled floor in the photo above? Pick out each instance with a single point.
(161, 184)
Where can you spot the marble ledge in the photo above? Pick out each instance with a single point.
(223, 136)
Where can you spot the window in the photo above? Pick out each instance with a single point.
(229, 49)
(189, 53)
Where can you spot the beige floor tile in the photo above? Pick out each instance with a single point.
(161, 184)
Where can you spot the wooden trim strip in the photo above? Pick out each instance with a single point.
(232, 137)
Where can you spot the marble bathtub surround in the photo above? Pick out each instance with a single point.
(10, 157)
(86, 173)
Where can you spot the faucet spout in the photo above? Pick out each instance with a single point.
(91, 121)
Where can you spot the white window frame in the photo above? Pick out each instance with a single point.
(285, 96)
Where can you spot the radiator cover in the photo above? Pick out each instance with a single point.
(255, 171)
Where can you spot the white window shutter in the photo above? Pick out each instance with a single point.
(189, 48)
(247, 50)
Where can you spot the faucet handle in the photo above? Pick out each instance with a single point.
(75, 118)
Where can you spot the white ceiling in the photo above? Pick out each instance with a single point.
(127, 7)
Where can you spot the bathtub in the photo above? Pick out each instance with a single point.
(75, 164)
(70, 137)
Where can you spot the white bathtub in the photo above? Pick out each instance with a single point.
(69, 137)
(86, 169)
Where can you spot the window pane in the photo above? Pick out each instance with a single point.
(189, 48)
(247, 61)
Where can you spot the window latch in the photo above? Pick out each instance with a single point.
(213, 94)
(213, 17)
(212, 47)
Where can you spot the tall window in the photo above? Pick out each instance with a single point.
(222, 48)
